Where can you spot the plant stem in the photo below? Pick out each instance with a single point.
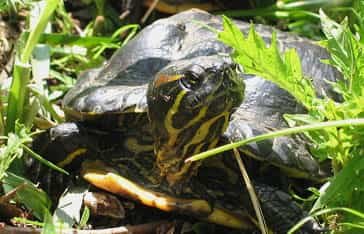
(304, 4)
(252, 194)
(283, 132)
(44, 161)
(325, 211)
(38, 30)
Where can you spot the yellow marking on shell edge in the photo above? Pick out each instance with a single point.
(289, 171)
(70, 157)
(106, 178)
(101, 176)
(133, 145)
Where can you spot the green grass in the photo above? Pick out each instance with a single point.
(70, 54)
(299, 16)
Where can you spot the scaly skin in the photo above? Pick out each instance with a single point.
(189, 106)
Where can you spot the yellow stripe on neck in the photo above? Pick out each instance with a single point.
(70, 157)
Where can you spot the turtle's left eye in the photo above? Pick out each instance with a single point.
(191, 81)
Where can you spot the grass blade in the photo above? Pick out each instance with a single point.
(38, 30)
(21, 74)
(17, 93)
(44, 161)
(283, 132)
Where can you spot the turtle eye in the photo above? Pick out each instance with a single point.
(191, 81)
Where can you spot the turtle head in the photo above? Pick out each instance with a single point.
(189, 105)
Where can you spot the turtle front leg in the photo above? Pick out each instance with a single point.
(65, 145)
(102, 176)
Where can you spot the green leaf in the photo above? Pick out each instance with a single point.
(343, 185)
(353, 212)
(344, 145)
(28, 222)
(17, 95)
(347, 55)
(36, 200)
(358, 9)
(34, 35)
(265, 61)
(9, 153)
(12, 151)
(44, 100)
(231, 35)
(85, 217)
(49, 227)
(21, 73)
(56, 39)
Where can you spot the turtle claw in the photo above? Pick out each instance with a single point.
(102, 176)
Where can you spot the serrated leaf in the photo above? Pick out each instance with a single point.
(347, 55)
(257, 58)
(231, 35)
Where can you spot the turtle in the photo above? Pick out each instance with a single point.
(171, 92)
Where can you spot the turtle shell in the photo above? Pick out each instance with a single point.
(113, 95)
(120, 86)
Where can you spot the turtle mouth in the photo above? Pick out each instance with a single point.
(189, 108)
